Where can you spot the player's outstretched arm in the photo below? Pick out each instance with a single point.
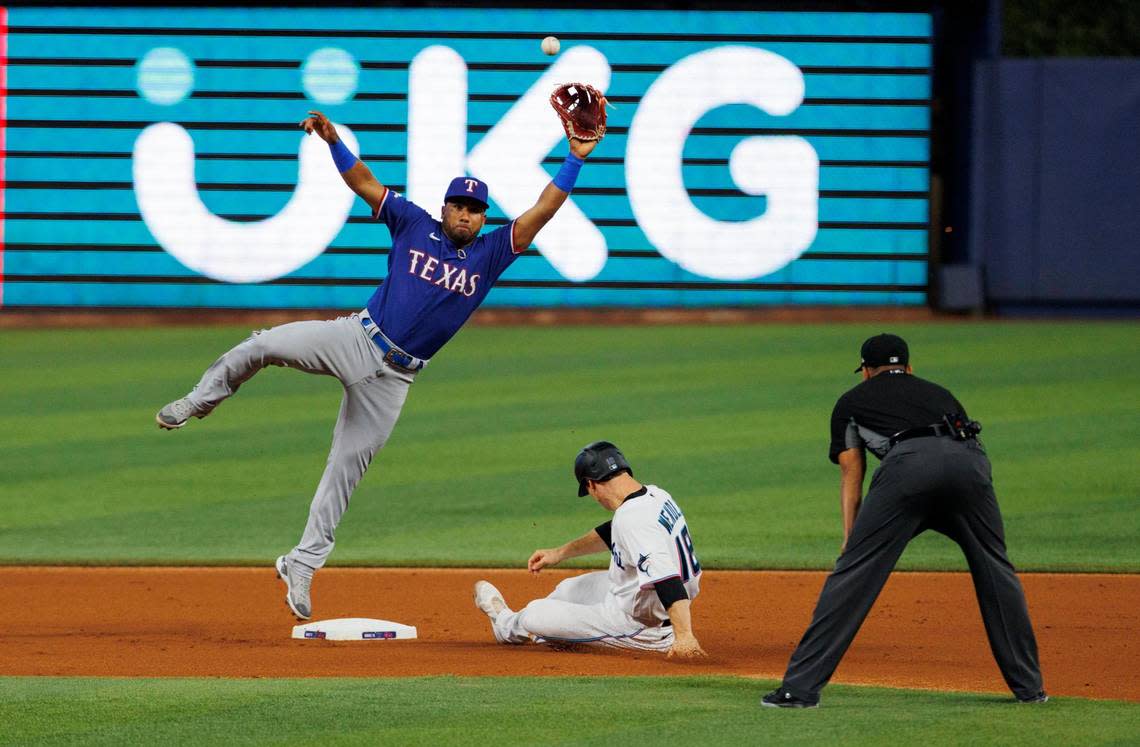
(685, 644)
(587, 544)
(356, 175)
(553, 196)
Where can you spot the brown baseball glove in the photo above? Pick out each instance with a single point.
(582, 109)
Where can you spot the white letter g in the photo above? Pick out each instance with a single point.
(784, 168)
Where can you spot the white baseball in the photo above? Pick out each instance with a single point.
(550, 45)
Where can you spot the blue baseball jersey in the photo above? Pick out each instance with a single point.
(433, 286)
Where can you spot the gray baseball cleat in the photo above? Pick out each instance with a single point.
(296, 588)
(175, 414)
(491, 603)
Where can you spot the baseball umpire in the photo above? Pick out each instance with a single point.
(934, 475)
(643, 601)
(439, 271)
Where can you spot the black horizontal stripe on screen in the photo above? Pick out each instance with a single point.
(398, 158)
(72, 61)
(559, 284)
(395, 96)
(629, 223)
(362, 219)
(501, 67)
(824, 101)
(33, 247)
(594, 191)
(282, 96)
(341, 33)
(809, 256)
(286, 64)
(371, 157)
(80, 154)
(611, 160)
(859, 164)
(95, 93)
(124, 124)
(382, 251)
(530, 67)
(810, 101)
(86, 124)
(865, 257)
(702, 285)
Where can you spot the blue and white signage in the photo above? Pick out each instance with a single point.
(152, 156)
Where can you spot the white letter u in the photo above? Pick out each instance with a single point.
(172, 209)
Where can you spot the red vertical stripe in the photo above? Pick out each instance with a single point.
(3, 132)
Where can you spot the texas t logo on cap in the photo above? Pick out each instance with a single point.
(467, 188)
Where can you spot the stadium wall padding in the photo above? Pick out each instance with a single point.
(1055, 208)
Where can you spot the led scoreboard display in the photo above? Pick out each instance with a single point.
(152, 157)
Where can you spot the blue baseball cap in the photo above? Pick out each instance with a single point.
(464, 187)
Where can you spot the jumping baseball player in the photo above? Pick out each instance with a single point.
(439, 271)
(643, 601)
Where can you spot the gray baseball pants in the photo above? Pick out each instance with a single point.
(374, 394)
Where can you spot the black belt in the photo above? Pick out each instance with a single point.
(393, 356)
(923, 432)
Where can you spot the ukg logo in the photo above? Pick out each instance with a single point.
(509, 158)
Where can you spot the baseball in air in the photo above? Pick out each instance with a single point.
(550, 45)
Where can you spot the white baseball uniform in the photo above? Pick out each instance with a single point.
(649, 542)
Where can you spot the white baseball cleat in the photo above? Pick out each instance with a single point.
(491, 603)
(489, 600)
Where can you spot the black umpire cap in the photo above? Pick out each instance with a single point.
(883, 350)
(598, 461)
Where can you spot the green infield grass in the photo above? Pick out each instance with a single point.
(732, 420)
(531, 710)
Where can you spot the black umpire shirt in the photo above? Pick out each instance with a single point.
(868, 415)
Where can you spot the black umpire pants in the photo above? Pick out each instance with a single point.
(924, 483)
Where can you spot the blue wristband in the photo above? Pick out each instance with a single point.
(568, 174)
(342, 156)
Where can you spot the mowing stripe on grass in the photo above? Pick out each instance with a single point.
(731, 419)
(571, 711)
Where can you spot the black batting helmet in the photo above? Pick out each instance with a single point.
(598, 461)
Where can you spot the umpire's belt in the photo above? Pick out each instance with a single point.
(393, 356)
(923, 432)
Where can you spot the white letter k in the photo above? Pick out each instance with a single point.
(509, 157)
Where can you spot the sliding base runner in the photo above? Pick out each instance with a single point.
(642, 602)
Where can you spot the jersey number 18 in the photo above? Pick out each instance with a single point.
(690, 566)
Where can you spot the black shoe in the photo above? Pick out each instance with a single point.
(781, 698)
(1040, 697)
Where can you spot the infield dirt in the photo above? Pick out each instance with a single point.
(924, 632)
